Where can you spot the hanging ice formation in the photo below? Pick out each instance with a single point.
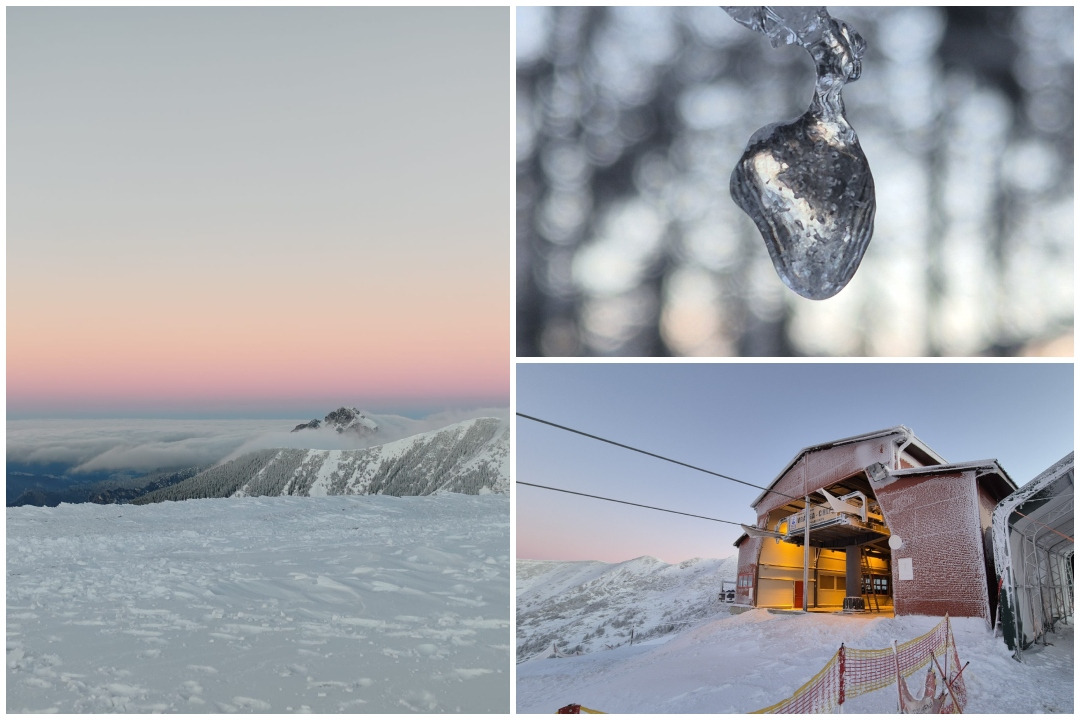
(806, 184)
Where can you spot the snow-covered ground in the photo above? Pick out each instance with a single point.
(725, 663)
(290, 604)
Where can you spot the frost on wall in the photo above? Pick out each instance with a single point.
(937, 518)
(749, 552)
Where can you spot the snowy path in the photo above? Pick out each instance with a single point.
(337, 604)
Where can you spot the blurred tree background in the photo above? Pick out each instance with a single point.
(630, 121)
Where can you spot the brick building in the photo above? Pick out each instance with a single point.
(878, 521)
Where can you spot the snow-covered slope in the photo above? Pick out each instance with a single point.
(737, 663)
(468, 457)
(342, 604)
(588, 606)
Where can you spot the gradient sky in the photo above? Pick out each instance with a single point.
(219, 208)
(748, 420)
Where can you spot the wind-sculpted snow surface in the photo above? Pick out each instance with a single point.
(470, 457)
(738, 663)
(336, 604)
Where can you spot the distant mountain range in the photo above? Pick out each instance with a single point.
(466, 457)
(471, 457)
(50, 490)
(587, 606)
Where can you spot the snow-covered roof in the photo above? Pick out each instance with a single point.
(915, 445)
(1042, 510)
(985, 469)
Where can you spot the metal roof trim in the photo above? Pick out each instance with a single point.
(990, 464)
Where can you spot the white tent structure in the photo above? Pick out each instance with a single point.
(1033, 552)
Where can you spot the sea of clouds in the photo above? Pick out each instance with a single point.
(163, 444)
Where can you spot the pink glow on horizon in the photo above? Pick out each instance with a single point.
(165, 376)
(168, 352)
(130, 383)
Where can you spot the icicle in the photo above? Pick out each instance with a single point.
(806, 184)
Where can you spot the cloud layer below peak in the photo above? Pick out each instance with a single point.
(165, 444)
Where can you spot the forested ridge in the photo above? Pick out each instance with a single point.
(470, 457)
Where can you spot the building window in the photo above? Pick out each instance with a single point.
(833, 582)
(876, 584)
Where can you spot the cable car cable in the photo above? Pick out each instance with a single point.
(661, 457)
(625, 502)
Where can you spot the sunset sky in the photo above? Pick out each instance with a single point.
(748, 420)
(231, 211)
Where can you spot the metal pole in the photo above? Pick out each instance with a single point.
(899, 679)
(806, 551)
(1039, 575)
(1070, 595)
(948, 634)
(1056, 579)
(1051, 571)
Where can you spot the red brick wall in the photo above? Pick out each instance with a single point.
(938, 519)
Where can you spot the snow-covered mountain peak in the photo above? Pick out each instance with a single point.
(343, 420)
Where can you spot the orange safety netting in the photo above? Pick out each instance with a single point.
(852, 672)
(821, 694)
